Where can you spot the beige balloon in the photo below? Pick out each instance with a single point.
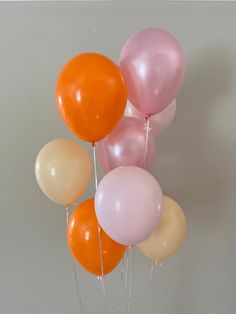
(63, 170)
(168, 235)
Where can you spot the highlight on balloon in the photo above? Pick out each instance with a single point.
(120, 109)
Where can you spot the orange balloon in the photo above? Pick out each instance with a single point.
(83, 241)
(91, 96)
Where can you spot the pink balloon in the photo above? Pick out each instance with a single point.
(131, 111)
(153, 65)
(128, 204)
(125, 146)
(158, 122)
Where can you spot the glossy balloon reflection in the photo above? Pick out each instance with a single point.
(128, 204)
(132, 111)
(125, 146)
(91, 96)
(83, 241)
(63, 170)
(153, 65)
(168, 236)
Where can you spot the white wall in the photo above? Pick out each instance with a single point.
(195, 158)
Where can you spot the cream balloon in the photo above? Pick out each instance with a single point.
(63, 170)
(168, 235)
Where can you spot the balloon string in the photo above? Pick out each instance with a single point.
(154, 265)
(122, 269)
(146, 140)
(101, 261)
(121, 285)
(74, 268)
(131, 281)
(124, 274)
(126, 267)
(95, 167)
(99, 230)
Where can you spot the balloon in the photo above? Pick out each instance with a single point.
(83, 241)
(161, 121)
(125, 146)
(153, 65)
(91, 96)
(128, 204)
(158, 122)
(63, 170)
(132, 111)
(168, 236)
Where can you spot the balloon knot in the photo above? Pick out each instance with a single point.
(67, 206)
(157, 263)
(100, 278)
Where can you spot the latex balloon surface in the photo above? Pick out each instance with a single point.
(153, 65)
(83, 241)
(91, 96)
(159, 122)
(132, 111)
(125, 146)
(169, 234)
(128, 204)
(63, 170)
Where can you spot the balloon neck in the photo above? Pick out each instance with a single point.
(67, 206)
(94, 144)
(100, 278)
(157, 263)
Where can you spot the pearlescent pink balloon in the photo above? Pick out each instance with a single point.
(125, 146)
(128, 204)
(159, 122)
(131, 111)
(153, 64)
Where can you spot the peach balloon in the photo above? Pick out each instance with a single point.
(63, 170)
(168, 235)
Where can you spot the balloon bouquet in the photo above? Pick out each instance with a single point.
(129, 208)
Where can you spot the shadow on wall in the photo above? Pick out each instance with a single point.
(190, 150)
(190, 163)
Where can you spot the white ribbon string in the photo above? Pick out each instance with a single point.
(121, 285)
(127, 267)
(131, 281)
(95, 167)
(155, 264)
(99, 230)
(74, 268)
(146, 140)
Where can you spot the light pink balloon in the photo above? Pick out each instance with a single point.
(128, 204)
(159, 122)
(153, 65)
(125, 146)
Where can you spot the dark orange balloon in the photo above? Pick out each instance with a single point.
(83, 241)
(91, 96)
